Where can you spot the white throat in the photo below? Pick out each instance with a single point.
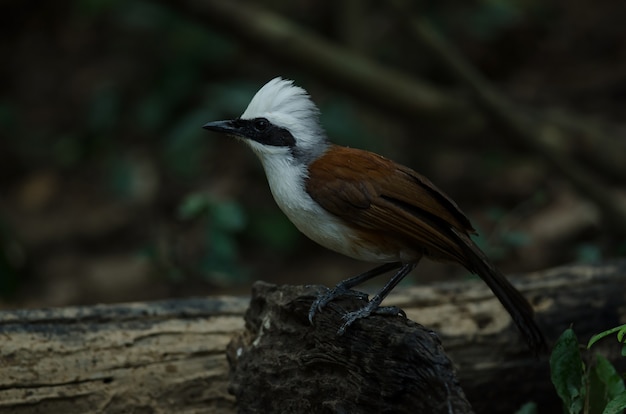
(287, 181)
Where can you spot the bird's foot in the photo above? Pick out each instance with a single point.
(332, 294)
(389, 311)
(371, 308)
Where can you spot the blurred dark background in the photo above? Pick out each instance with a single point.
(111, 191)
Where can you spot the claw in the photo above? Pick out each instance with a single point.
(371, 308)
(323, 299)
(390, 311)
(350, 317)
(343, 288)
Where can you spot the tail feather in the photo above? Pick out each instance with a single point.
(518, 307)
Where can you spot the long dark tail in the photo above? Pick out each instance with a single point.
(512, 300)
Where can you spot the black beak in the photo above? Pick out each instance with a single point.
(226, 127)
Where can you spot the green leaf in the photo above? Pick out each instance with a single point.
(604, 384)
(621, 331)
(621, 337)
(614, 384)
(567, 372)
(616, 405)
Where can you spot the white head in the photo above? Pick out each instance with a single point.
(280, 121)
(281, 124)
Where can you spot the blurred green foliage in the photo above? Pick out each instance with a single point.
(272, 229)
(588, 253)
(488, 19)
(223, 220)
(491, 16)
(7, 115)
(114, 93)
(344, 126)
(502, 240)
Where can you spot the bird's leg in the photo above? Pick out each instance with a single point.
(343, 287)
(373, 305)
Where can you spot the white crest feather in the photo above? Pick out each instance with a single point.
(289, 106)
(279, 96)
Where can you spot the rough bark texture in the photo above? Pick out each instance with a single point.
(381, 364)
(162, 357)
(170, 356)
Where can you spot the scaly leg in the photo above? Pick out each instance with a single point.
(373, 305)
(343, 287)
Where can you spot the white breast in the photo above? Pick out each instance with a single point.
(287, 183)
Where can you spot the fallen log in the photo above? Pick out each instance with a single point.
(171, 356)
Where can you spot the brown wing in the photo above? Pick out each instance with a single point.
(374, 193)
(377, 195)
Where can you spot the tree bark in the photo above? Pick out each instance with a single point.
(381, 364)
(171, 356)
(162, 357)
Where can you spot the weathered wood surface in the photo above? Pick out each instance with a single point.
(382, 364)
(170, 356)
(161, 357)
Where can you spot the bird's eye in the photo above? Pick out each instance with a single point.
(261, 124)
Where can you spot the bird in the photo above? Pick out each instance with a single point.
(361, 204)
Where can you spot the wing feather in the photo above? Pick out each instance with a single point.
(374, 193)
(383, 198)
